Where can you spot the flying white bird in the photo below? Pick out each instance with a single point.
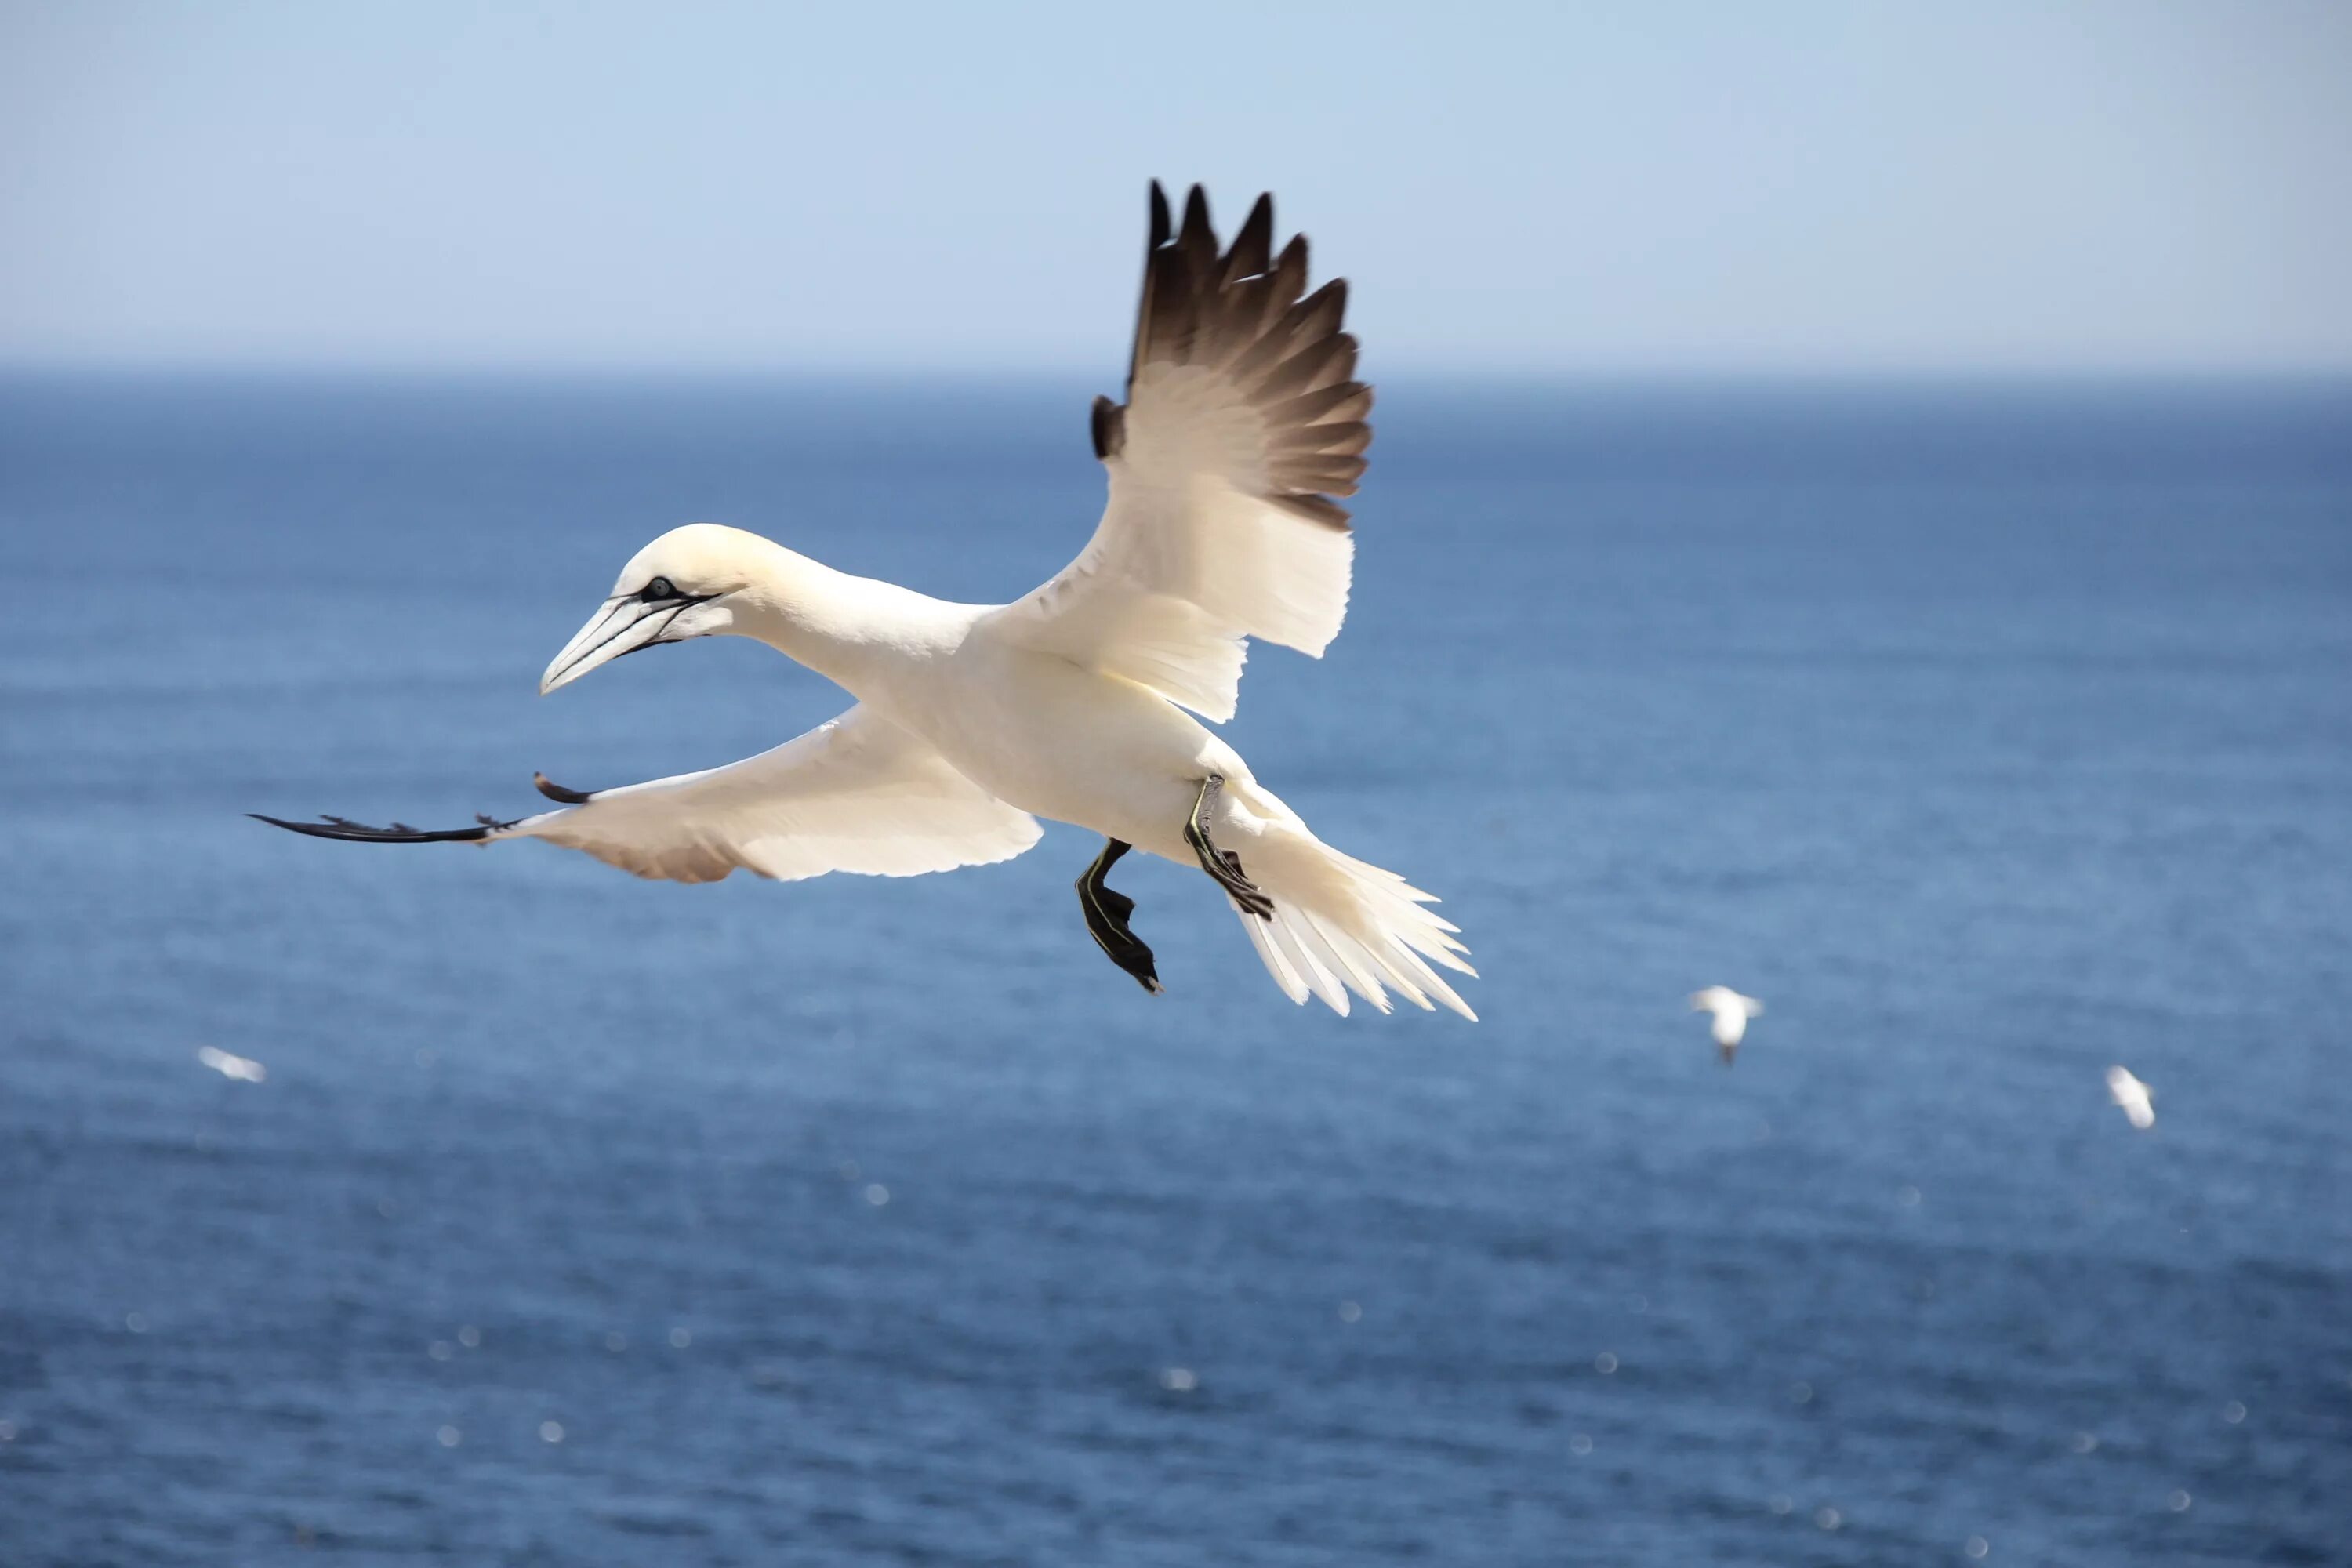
(244, 1069)
(1731, 1012)
(2136, 1098)
(1242, 421)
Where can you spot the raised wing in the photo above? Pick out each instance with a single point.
(1241, 422)
(858, 794)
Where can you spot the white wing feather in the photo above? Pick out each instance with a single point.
(858, 794)
(1241, 420)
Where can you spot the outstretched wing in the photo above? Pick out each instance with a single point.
(1241, 422)
(858, 794)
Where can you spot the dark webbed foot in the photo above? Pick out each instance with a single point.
(1223, 865)
(1106, 910)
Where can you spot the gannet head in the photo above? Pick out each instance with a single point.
(674, 588)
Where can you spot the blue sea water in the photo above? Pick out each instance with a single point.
(1991, 734)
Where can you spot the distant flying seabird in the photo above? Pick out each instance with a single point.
(1241, 423)
(229, 1065)
(2136, 1099)
(1731, 1012)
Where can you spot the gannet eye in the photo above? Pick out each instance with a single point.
(657, 590)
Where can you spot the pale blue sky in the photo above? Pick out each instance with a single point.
(1663, 188)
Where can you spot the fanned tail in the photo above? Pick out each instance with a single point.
(1340, 925)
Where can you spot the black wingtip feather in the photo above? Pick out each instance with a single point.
(1253, 248)
(350, 832)
(1160, 226)
(1244, 312)
(1330, 514)
(556, 792)
(1196, 241)
(1292, 260)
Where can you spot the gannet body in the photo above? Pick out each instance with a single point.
(1731, 1012)
(1071, 703)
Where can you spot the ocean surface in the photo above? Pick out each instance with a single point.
(1992, 735)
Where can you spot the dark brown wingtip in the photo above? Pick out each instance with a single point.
(1161, 228)
(1252, 251)
(1197, 239)
(1196, 214)
(351, 832)
(1292, 264)
(1245, 313)
(556, 792)
(1316, 509)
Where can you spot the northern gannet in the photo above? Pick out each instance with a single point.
(2133, 1096)
(229, 1065)
(1243, 421)
(1731, 1012)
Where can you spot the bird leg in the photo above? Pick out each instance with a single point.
(1223, 865)
(1106, 910)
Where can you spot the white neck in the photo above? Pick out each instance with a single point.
(855, 631)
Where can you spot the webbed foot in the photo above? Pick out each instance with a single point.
(1223, 865)
(1106, 912)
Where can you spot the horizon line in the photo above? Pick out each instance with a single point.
(1621, 373)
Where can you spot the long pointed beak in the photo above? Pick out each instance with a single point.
(624, 625)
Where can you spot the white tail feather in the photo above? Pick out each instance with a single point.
(1340, 925)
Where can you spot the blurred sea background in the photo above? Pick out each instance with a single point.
(1991, 731)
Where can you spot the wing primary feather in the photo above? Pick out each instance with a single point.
(1319, 315)
(1314, 509)
(1241, 309)
(1333, 403)
(398, 833)
(1290, 272)
(1146, 308)
(1176, 320)
(1331, 473)
(1306, 371)
(1197, 239)
(1349, 435)
(1283, 286)
(1253, 248)
(1311, 321)
(1342, 365)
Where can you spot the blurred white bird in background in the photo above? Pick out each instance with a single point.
(2134, 1096)
(244, 1069)
(1731, 1012)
